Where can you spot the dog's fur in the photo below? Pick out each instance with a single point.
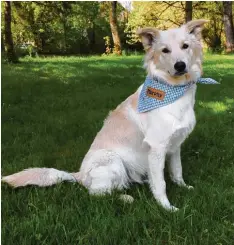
(132, 145)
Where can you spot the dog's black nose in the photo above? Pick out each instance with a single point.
(180, 66)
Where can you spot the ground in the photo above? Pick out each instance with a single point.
(52, 109)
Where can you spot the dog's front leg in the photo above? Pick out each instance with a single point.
(175, 169)
(156, 159)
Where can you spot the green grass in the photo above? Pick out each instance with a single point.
(52, 109)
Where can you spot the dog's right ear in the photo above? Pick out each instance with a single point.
(148, 35)
(195, 27)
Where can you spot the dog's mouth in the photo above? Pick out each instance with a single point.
(180, 73)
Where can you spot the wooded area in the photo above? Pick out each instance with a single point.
(83, 28)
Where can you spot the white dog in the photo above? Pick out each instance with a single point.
(133, 144)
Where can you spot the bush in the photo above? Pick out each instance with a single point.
(26, 49)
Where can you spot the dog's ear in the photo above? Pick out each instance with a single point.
(148, 35)
(195, 27)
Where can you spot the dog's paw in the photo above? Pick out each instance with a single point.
(169, 207)
(183, 184)
(189, 187)
(172, 208)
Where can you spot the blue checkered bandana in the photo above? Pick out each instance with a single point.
(157, 93)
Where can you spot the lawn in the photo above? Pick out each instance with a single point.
(52, 109)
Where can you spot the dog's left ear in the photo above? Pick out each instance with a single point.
(195, 27)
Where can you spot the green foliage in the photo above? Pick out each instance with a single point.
(79, 27)
(26, 49)
(60, 27)
(108, 45)
(213, 33)
(164, 15)
(52, 108)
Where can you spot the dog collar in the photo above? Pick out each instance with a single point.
(157, 93)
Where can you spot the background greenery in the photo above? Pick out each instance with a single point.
(52, 109)
(82, 27)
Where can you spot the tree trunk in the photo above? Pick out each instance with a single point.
(188, 11)
(2, 44)
(65, 6)
(92, 38)
(65, 35)
(9, 45)
(228, 26)
(114, 28)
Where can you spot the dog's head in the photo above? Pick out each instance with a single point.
(174, 54)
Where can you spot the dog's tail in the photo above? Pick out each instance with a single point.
(40, 177)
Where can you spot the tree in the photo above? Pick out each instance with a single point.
(188, 11)
(79, 27)
(228, 25)
(114, 28)
(9, 45)
(168, 14)
(60, 27)
(64, 9)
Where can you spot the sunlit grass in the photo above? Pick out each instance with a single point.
(217, 106)
(52, 109)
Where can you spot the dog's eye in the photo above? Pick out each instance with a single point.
(185, 46)
(166, 50)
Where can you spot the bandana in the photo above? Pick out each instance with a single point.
(157, 93)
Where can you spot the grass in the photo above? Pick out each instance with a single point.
(52, 109)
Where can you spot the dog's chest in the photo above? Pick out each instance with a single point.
(181, 128)
(183, 122)
(174, 122)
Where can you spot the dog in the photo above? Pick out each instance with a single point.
(131, 144)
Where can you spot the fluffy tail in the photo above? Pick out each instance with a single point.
(40, 177)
